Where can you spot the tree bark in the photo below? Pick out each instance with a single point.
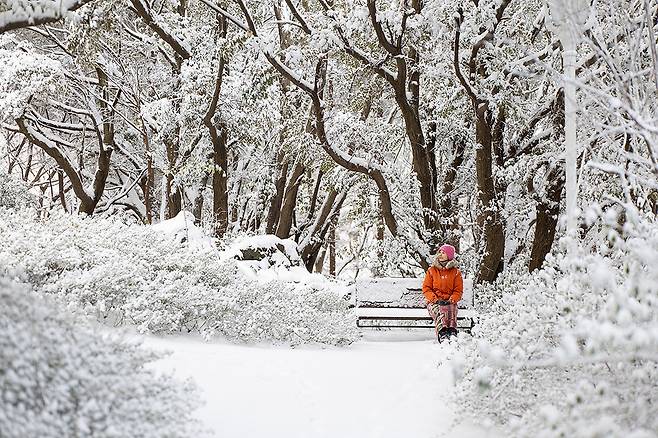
(289, 202)
(275, 203)
(486, 136)
(198, 200)
(547, 214)
(219, 136)
(332, 246)
(149, 181)
(62, 193)
(547, 209)
(489, 216)
(314, 239)
(448, 210)
(219, 184)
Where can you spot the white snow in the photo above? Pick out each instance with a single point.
(182, 228)
(389, 384)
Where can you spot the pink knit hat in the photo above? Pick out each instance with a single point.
(449, 250)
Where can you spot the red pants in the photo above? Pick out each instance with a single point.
(444, 316)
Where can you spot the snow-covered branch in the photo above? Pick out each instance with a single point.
(160, 28)
(23, 13)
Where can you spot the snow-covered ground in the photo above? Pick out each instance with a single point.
(389, 384)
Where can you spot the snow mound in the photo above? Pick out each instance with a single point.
(184, 231)
(267, 258)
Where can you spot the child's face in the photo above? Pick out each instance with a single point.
(442, 256)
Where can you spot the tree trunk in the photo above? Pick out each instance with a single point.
(174, 199)
(488, 217)
(547, 213)
(219, 184)
(312, 243)
(332, 246)
(218, 137)
(319, 264)
(148, 183)
(289, 202)
(448, 210)
(198, 200)
(275, 203)
(420, 158)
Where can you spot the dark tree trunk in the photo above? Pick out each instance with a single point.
(62, 193)
(332, 246)
(218, 137)
(547, 211)
(448, 210)
(289, 202)
(314, 197)
(149, 182)
(174, 198)
(219, 184)
(275, 203)
(548, 206)
(314, 240)
(488, 137)
(489, 216)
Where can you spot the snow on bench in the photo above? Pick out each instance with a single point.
(399, 303)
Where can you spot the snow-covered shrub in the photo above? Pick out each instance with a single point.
(572, 350)
(61, 378)
(135, 275)
(265, 251)
(14, 193)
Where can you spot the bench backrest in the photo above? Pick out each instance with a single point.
(399, 292)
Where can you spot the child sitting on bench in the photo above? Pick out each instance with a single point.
(443, 287)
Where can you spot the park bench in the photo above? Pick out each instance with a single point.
(399, 303)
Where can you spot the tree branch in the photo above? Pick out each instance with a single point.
(383, 41)
(467, 86)
(41, 12)
(166, 36)
(298, 16)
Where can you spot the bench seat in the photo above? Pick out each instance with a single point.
(405, 317)
(399, 303)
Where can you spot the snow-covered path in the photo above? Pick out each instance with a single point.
(380, 387)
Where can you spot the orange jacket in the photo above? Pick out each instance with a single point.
(443, 284)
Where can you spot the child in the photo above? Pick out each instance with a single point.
(443, 287)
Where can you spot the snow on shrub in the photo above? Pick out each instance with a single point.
(61, 378)
(572, 350)
(265, 251)
(14, 193)
(135, 275)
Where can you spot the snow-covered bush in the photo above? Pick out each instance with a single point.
(136, 275)
(61, 378)
(14, 193)
(573, 349)
(265, 251)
